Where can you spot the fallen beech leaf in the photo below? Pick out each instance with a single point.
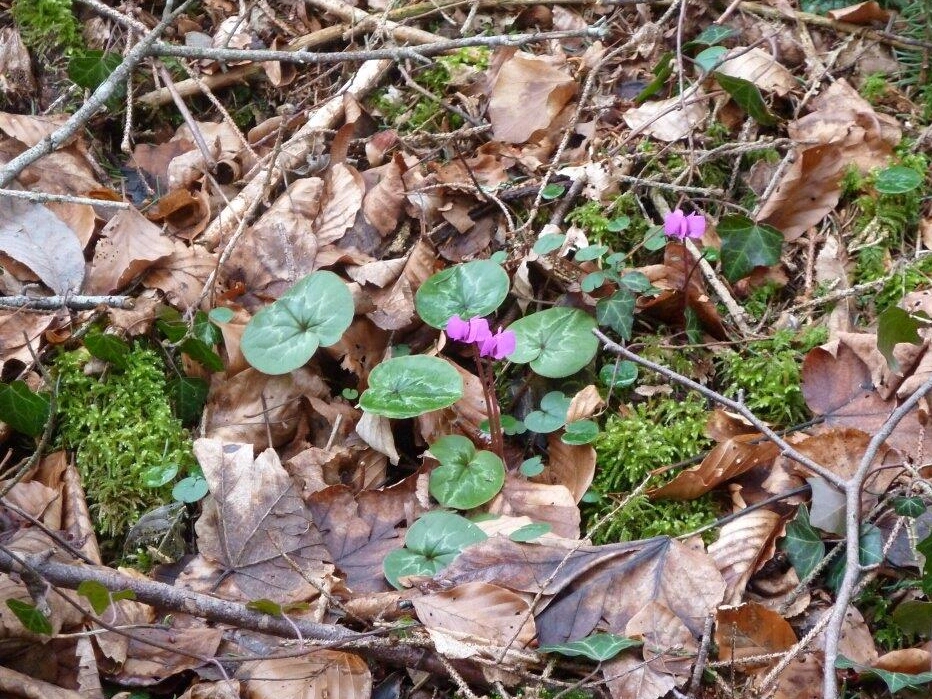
(861, 13)
(750, 629)
(668, 120)
(759, 67)
(478, 613)
(742, 545)
(34, 236)
(319, 674)
(182, 274)
(552, 504)
(129, 246)
(527, 95)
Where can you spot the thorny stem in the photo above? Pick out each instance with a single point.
(491, 405)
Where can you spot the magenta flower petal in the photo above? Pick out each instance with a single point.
(457, 328)
(695, 225)
(505, 344)
(675, 225)
(478, 330)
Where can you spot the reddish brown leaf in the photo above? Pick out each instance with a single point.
(750, 629)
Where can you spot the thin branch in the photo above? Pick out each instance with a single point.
(64, 198)
(75, 303)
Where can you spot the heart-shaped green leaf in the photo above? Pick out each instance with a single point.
(431, 544)
(580, 432)
(30, 617)
(283, 336)
(466, 477)
(529, 532)
(746, 245)
(466, 290)
(622, 377)
(410, 386)
(598, 647)
(552, 413)
(556, 342)
(895, 325)
(897, 180)
(802, 544)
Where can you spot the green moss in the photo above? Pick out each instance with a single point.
(650, 436)
(47, 24)
(768, 372)
(119, 425)
(874, 87)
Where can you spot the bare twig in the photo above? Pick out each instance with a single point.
(75, 303)
(64, 198)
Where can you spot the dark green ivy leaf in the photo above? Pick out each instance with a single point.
(747, 96)
(23, 410)
(746, 245)
(895, 325)
(30, 617)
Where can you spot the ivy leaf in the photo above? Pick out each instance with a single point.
(746, 245)
(188, 394)
(599, 647)
(870, 552)
(925, 548)
(895, 681)
(617, 312)
(23, 410)
(747, 96)
(552, 191)
(30, 617)
(100, 597)
(803, 544)
(909, 506)
(108, 347)
(711, 35)
(662, 71)
(895, 325)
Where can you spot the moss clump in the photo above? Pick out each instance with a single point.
(47, 24)
(119, 425)
(649, 436)
(768, 372)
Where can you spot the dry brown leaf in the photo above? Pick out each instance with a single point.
(81, 218)
(342, 200)
(235, 411)
(750, 629)
(255, 527)
(861, 13)
(668, 120)
(317, 675)
(802, 678)
(186, 213)
(527, 95)
(19, 331)
(809, 189)
(758, 67)
(376, 431)
(629, 676)
(669, 647)
(182, 274)
(32, 235)
(146, 664)
(16, 78)
(129, 246)
(743, 544)
(572, 466)
(910, 661)
(551, 504)
(479, 614)
(384, 201)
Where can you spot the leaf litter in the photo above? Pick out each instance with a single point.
(308, 495)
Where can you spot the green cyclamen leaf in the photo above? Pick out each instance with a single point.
(23, 410)
(746, 245)
(897, 179)
(410, 386)
(552, 413)
(747, 96)
(548, 243)
(466, 477)
(283, 336)
(624, 376)
(431, 544)
(466, 290)
(556, 342)
(30, 617)
(895, 681)
(580, 432)
(529, 532)
(598, 647)
(894, 326)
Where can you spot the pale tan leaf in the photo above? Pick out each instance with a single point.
(32, 235)
(376, 431)
(669, 647)
(78, 217)
(147, 664)
(584, 404)
(323, 674)
(129, 246)
(668, 120)
(255, 529)
(742, 545)
(16, 78)
(551, 504)
(479, 613)
(629, 677)
(341, 202)
(861, 13)
(527, 95)
(17, 327)
(383, 203)
(182, 274)
(569, 465)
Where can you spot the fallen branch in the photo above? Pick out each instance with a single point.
(75, 303)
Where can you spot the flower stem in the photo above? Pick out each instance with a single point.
(491, 406)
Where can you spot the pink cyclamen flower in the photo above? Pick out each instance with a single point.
(499, 345)
(678, 225)
(472, 330)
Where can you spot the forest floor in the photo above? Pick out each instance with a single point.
(465, 348)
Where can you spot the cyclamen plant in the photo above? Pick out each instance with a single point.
(476, 331)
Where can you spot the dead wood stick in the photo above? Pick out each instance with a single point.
(75, 303)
